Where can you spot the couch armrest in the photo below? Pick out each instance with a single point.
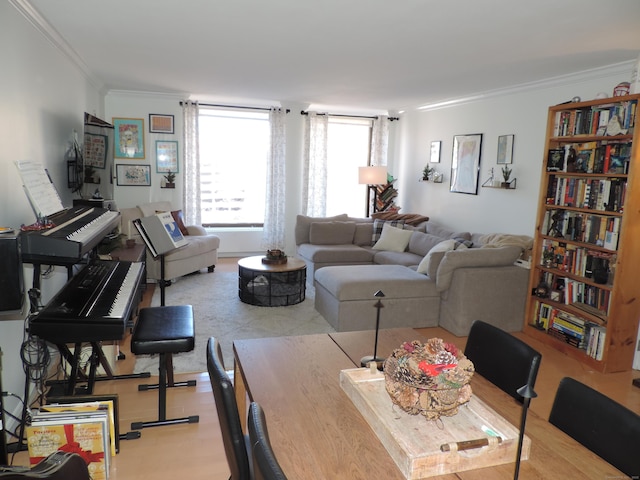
(473, 257)
(196, 230)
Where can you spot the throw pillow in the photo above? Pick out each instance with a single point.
(379, 224)
(331, 233)
(445, 246)
(393, 239)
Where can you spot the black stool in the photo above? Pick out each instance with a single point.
(164, 331)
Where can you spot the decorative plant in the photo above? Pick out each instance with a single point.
(170, 177)
(506, 173)
(427, 171)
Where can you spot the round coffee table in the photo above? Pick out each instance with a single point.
(271, 285)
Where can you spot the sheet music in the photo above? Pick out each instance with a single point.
(41, 192)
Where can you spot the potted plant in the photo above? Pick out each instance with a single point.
(506, 173)
(171, 179)
(427, 171)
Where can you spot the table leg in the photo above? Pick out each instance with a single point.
(241, 395)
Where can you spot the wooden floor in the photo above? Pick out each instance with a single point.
(196, 452)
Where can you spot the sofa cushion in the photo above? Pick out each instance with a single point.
(331, 233)
(152, 208)
(387, 257)
(335, 253)
(474, 257)
(378, 226)
(362, 236)
(393, 239)
(444, 246)
(422, 243)
(303, 224)
(440, 231)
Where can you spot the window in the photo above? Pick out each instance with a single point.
(348, 147)
(234, 145)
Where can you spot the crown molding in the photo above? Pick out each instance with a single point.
(562, 80)
(54, 38)
(178, 96)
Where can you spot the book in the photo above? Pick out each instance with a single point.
(160, 232)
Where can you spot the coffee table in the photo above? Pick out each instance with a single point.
(271, 285)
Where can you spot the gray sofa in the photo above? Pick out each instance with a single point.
(200, 252)
(451, 278)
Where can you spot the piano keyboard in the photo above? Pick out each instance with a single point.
(127, 290)
(93, 228)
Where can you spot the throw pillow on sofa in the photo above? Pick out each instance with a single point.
(378, 225)
(331, 233)
(442, 247)
(393, 239)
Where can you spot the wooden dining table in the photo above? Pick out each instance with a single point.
(317, 432)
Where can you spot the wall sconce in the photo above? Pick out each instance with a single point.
(372, 176)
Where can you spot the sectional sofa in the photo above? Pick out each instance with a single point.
(430, 275)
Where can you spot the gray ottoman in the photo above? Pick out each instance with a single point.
(345, 297)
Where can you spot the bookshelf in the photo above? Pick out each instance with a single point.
(584, 295)
(385, 196)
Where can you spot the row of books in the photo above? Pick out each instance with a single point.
(571, 329)
(85, 428)
(590, 157)
(587, 297)
(582, 227)
(605, 194)
(576, 260)
(594, 120)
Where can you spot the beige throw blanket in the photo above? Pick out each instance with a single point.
(494, 240)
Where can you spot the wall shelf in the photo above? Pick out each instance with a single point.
(510, 185)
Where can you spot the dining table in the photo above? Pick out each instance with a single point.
(317, 432)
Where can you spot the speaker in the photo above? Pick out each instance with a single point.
(11, 276)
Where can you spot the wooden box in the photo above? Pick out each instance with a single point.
(414, 442)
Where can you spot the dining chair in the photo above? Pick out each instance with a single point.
(601, 424)
(504, 360)
(265, 464)
(236, 444)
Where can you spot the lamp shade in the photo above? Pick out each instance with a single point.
(372, 175)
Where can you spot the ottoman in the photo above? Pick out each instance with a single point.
(345, 297)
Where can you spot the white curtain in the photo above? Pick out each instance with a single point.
(314, 188)
(379, 141)
(191, 191)
(274, 219)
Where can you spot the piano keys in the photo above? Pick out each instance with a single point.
(93, 306)
(76, 232)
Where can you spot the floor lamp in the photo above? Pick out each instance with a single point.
(372, 176)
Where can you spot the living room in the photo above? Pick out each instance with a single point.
(45, 92)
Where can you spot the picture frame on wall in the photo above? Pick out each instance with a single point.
(505, 149)
(167, 156)
(95, 150)
(465, 164)
(129, 138)
(435, 151)
(159, 123)
(133, 175)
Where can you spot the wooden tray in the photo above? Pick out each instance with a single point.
(414, 442)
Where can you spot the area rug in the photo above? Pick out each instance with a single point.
(219, 313)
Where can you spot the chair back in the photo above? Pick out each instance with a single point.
(265, 464)
(235, 445)
(504, 360)
(601, 424)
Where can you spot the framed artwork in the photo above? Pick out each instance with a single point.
(95, 150)
(465, 164)
(505, 149)
(160, 123)
(435, 152)
(133, 175)
(129, 137)
(166, 156)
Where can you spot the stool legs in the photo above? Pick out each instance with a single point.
(165, 380)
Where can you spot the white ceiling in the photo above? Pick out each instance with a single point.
(361, 54)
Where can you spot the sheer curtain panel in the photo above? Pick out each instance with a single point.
(191, 190)
(273, 231)
(379, 141)
(314, 188)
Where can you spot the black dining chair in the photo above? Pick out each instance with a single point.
(236, 444)
(601, 424)
(265, 464)
(504, 360)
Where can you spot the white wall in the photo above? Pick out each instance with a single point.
(43, 97)
(523, 114)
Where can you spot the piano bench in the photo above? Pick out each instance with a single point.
(164, 331)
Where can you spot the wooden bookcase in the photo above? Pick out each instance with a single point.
(584, 290)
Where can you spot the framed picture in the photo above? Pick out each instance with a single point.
(505, 149)
(160, 123)
(129, 137)
(95, 150)
(465, 165)
(133, 175)
(166, 156)
(435, 152)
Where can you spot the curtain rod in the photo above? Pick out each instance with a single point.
(391, 119)
(234, 106)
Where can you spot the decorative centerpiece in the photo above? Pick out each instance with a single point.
(431, 379)
(274, 257)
